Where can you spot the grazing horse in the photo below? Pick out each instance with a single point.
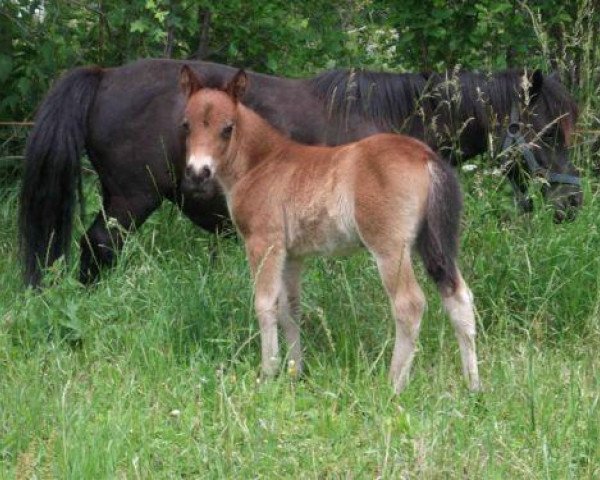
(125, 120)
(387, 193)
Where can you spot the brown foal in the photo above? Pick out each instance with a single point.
(387, 193)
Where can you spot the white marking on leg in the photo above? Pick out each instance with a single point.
(460, 309)
(408, 310)
(266, 311)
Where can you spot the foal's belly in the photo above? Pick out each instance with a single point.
(330, 230)
(327, 243)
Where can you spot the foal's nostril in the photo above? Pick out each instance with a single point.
(193, 175)
(205, 173)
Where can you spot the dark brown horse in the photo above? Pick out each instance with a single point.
(127, 120)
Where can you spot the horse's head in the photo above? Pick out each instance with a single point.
(539, 129)
(209, 124)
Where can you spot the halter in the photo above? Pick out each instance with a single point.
(514, 138)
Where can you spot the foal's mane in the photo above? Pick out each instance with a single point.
(390, 99)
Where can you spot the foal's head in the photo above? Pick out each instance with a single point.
(209, 123)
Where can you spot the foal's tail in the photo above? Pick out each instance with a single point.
(52, 170)
(438, 238)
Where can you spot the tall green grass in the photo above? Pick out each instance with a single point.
(152, 372)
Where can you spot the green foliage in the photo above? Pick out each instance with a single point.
(39, 40)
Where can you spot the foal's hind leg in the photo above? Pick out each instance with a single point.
(408, 304)
(266, 263)
(459, 305)
(289, 310)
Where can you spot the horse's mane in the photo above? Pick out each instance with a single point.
(389, 99)
(212, 79)
(501, 90)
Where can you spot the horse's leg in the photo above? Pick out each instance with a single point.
(103, 240)
(408, 304)
(289, 311)
(266, 263)
(209, 213)
(459, 306)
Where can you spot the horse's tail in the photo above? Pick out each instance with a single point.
(438, 237)
(52, 171)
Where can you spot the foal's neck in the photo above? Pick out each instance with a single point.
(257, 142)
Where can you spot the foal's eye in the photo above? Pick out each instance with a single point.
(226, 132)
(185, 126)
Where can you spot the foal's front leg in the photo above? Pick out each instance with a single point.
(289, 310)
(266, 263)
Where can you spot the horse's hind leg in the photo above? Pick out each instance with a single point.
(103, 240)
(289, 311)
(459, 306)
(408, 304)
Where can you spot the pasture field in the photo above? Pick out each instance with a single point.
(153, 372)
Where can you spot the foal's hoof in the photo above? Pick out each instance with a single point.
(475, 387)
(399, 384)
(269, 369)
(294, 370)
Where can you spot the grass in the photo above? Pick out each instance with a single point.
(152, 373)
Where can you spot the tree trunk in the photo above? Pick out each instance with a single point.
(203, 50)
(169, 42)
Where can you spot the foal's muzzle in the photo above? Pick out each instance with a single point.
(197, 176)
(198, 183)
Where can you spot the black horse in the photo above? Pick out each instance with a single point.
(128, 120)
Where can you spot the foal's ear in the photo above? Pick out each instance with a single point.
(189, 81)
(237, 85)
